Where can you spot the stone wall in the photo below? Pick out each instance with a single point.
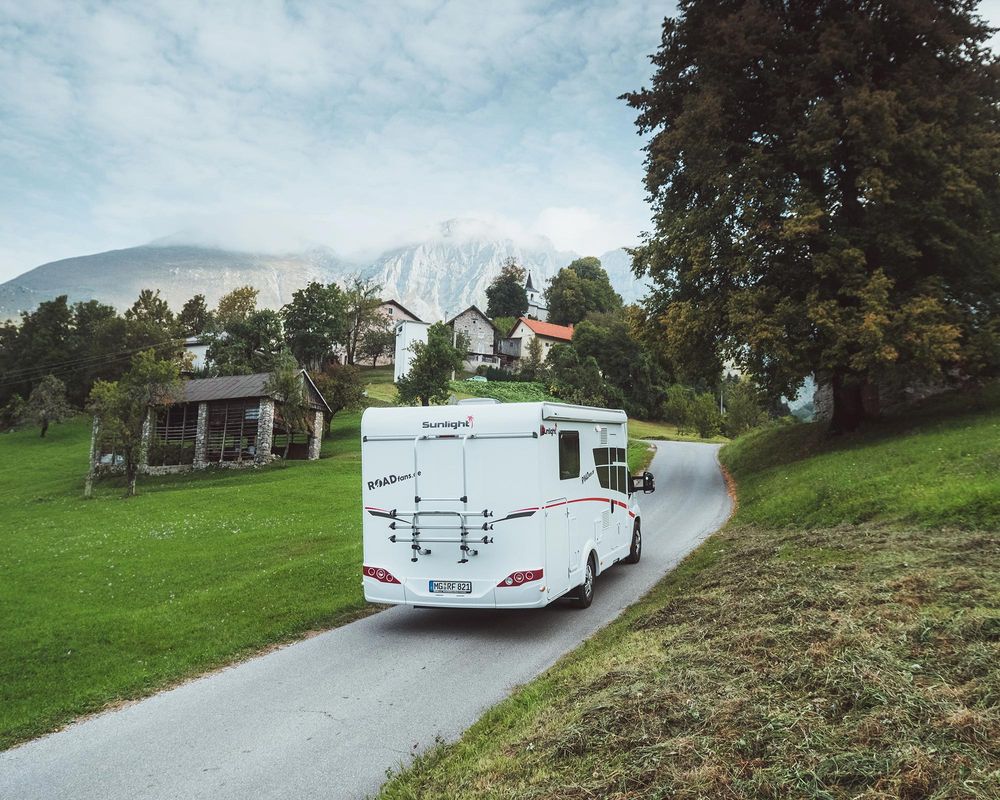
(201, 438)
(316, 442)
(265, 431)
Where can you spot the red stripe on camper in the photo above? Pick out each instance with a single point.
(592, 500)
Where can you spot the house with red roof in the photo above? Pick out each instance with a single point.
(548, 334)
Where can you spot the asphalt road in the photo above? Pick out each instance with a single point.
(325, 718)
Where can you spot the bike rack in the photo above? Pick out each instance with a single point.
(414, 526)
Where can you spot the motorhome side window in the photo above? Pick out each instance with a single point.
(569, 454)
(612, 468)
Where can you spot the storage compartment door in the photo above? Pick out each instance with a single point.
(557, 548)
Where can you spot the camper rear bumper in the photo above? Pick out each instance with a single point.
(416, 592)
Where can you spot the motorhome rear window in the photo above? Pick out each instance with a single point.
(569, 454)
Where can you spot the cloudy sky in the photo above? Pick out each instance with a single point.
(275, 125)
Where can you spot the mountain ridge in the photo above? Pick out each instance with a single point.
(436, 276)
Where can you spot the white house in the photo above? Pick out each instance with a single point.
(516, 345)
(407, 332)
(535, 301)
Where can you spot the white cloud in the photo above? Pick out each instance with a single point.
(268, 124)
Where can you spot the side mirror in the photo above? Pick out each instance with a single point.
(648, 484)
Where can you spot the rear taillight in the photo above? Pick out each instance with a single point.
(521, 577)
(380, 574)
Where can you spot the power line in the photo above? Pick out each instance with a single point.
(28, 374)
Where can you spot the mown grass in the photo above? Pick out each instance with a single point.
(648, 429)
(108, 599)
(845, 660)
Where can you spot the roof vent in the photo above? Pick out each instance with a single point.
(478, 401)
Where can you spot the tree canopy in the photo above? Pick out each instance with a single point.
(505, 296)
(433, 362)
(824, 181)
(579, 289)
(315, 322)
(123, 406)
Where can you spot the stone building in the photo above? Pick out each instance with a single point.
(482, 336)
(231, 421)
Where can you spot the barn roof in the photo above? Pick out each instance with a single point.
(234, 387)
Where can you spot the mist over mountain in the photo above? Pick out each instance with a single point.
(436, 277)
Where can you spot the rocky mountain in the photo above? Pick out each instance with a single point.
(178, 271)
(436, 277)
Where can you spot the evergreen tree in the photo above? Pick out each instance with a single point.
(195, 317)
(505, 296)
(824, 179)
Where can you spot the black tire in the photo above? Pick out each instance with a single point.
(585, 591)
(635, 552)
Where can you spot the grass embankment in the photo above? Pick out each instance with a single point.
(107, 599)
(840, 638)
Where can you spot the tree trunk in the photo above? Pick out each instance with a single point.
(848, 403)
(425, 401)
(45, 427)
(130, 477)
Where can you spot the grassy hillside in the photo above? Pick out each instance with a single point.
(108, 599)
(840, 638)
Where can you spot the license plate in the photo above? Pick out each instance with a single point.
(450, 587)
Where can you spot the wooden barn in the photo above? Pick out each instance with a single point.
(231, 421)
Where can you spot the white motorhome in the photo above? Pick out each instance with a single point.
(488, 505)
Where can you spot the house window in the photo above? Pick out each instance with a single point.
(569, 455)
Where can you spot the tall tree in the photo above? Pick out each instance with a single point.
(433, 362)
(195, 317)
(285, 384)
(581, 288)
(247, 345)
(364, 309)
(578, 379)
(47, 404)
(377, 341)
(122, 407)
(341, 387)
(236, 305)
(98, 344)
(151, 323)
(505, 296)
(623, 361)
(824, 181)
(315, 321)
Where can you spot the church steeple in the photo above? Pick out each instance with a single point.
(527, 286)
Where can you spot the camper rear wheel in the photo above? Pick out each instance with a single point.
(585, 592)
(635, 552)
